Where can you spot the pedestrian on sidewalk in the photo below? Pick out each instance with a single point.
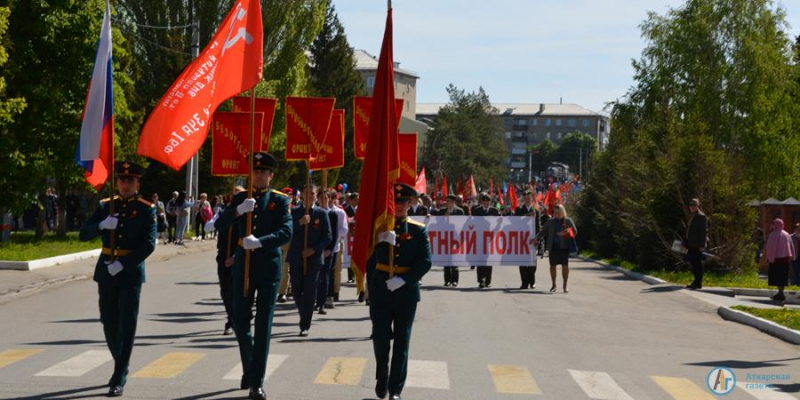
(780, 253)
(695, 242)
(796, 261)
(119, 271)
(203, 214)
(172, 212)
(184, 205)
(560, 232)
(161, 215)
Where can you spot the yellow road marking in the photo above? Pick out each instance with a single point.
(681, 388)
(169, 366)
(513, 379)
(341, 371)
(9, 357)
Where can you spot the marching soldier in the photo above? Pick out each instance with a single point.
(306, 257)
(394, 292)
(119, 272)
(485, 209)
(528, 273)
(451, 273)
(227, 241)
(271, 228)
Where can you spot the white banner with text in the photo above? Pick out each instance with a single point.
(465, 241)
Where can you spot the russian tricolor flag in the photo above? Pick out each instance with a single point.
(95, 151)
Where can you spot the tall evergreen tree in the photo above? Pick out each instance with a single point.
(333, 74)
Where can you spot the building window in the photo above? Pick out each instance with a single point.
(521, 122)
(534, 121)
(508, 135)
(586, 122)
(572, 122)
(370, 81)
(559, 135)
(547, 122)
(547, 135)
(535, 137)
(558, 122)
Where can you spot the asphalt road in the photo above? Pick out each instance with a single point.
(609, 338)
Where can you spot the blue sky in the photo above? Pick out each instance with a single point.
(520, 51)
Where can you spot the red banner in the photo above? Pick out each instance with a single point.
(422, 183)
(263, 105)
(362, 106)
(230, 64)
(407, 146)
(331, 153)
(230, 142)
(307, 122)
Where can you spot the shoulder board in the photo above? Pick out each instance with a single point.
(107, 199)
(145, 202)
(413, 222)
(280, 193)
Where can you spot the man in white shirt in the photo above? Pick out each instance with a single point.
(342, 227)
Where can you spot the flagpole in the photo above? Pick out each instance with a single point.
(307, 205)
(250, 190)
(113, 189)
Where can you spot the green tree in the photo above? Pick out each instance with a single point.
(52, 47)
(13, 106)
(714, 115)
(542, 154)
(467, 138)
(576, 145)
(333, 74)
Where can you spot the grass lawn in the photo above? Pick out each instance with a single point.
(787, 317)
(751, 281)
(24, 246)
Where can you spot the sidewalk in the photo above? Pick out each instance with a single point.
(726, 298)
(16, 283)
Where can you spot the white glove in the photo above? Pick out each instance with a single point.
(395, 283)
(209, 226)
(387, 237)
(248, 205)
(110, 223)
(251, 242)
(114, 268)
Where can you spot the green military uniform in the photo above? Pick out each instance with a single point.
(134, 240)
(272, 226)
(392, 312)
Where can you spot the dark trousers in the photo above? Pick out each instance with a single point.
(304, 289)
(324, 280)
(485, 274)
(171, 223)
(796, 272)
(253, 350)
(392, 321)
(695, 258)
(451, 274)
(199, 226)
(225, 282)
(527, 274)
(119, 311)
(350, 275)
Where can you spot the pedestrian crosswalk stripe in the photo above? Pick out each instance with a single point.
(273, 363)
(599, 385)
(681, 388)
(169, 366)
(764, 393)
(341, 371)
(427, 374)
(9, 357)
(513, 379)
(79, 365)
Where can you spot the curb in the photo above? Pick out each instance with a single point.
(635, 275)
(48, 262)
(769, 327)
(761, 292)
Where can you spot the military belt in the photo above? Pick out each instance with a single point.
(397, 269)
(117, 252)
